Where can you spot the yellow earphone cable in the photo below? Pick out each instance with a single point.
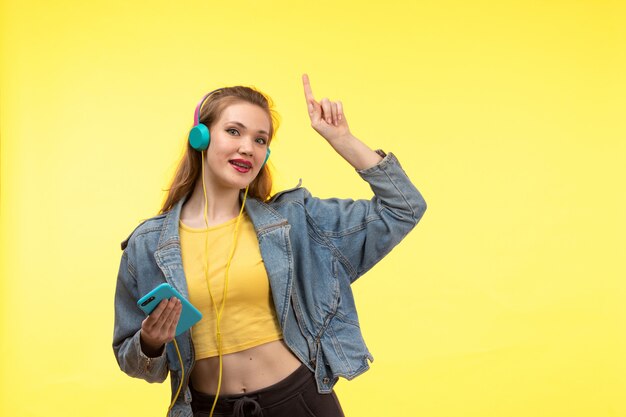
(218, 314)
(221, 310)
(182, 377)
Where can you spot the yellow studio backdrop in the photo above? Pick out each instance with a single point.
(507, 299)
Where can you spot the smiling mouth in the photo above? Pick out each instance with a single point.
(241, 165)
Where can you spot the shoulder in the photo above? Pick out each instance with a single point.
(295, 194)
(153, 225)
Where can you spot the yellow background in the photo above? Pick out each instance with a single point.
(507, 300)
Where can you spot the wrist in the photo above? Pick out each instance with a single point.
(343, 140)
(150, 349)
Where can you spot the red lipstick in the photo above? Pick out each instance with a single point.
(241, 165)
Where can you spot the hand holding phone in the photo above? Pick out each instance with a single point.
(159, 327)
(169, 315)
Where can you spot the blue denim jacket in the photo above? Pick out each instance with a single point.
(313, 249)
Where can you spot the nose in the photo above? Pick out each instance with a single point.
(246, 146)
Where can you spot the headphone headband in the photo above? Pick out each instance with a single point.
(196, 114)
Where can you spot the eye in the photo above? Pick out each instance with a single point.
(261, 140)
(233, 131)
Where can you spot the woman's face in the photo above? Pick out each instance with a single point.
(239, 141)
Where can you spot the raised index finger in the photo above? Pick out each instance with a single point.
(308, 93)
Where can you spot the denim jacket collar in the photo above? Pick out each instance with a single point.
(168, 253)
(170, 231)
(261, 214)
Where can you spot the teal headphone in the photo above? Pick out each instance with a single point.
(199, 136)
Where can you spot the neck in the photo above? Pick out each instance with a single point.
(223, 205)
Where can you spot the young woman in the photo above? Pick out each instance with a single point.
(271, 275)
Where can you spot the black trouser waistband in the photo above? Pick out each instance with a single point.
(262, 398)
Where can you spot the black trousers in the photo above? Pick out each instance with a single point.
(294, 396)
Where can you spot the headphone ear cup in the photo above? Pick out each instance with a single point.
(267, 156)
(199, 137)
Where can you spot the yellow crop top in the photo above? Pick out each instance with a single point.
(249, 317)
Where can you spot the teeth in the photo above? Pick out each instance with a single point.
(240, 164)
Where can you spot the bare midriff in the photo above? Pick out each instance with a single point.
(249, 370)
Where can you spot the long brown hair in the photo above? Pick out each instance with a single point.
(190, 166)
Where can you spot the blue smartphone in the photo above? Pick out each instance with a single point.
(189, 314)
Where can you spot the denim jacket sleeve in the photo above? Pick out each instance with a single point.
(364, 231)
(128, 319)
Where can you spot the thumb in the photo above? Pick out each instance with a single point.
(314, 111)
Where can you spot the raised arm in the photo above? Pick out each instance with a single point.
(328, 119)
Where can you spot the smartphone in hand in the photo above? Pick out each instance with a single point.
(189, 314)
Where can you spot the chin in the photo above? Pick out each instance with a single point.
(240, 185)
(236, 182)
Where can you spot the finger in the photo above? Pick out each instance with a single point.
(308, 93)
(161, 323)
(172, 318)
(156, 313)
(312, 105)
(146, 327)
(333, 110)
(315, 112)
(170, 311)
(339, 110)
(173, 322)
(326, 111)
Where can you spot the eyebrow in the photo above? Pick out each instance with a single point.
(244, 127)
